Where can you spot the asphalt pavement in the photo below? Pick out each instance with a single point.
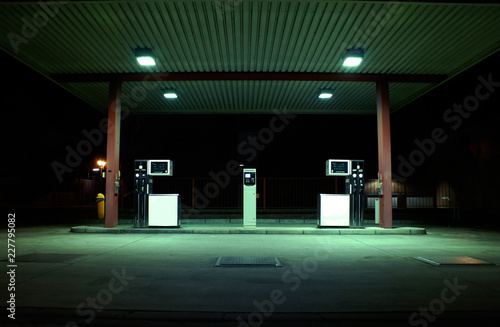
(62, 278)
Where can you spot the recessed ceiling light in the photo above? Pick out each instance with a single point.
(353, 57)
(325, 94)
(145, 57)
(170, 94)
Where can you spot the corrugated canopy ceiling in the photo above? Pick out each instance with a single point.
(80, 44)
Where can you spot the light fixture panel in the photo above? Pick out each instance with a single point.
(325, 94)
(353, 57)
(170, 94)
(145, 57)
(352, 61)
(146, 61)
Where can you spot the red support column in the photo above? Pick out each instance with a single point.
(384, 153)
(113, 154)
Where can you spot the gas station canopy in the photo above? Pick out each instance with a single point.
(246, 56)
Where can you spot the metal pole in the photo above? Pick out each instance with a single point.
(384, 153)
(113, 154)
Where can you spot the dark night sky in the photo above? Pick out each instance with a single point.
(40, 119)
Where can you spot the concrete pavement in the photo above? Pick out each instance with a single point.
(88, 279)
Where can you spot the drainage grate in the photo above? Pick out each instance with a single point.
(453, 260)
(247, 262)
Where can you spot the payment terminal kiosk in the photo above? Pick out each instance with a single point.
(249, 198)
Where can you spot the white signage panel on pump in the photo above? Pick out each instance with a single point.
(163, 210)
(333, 210)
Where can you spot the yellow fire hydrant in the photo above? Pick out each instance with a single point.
(101, 208)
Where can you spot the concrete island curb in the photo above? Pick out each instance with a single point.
(191, 229)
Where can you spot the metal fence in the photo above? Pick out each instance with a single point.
(82, 192)
(289, 193)
(273, 193)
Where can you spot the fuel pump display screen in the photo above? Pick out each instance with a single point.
(249, 178)
(338, 167)
(160, 167)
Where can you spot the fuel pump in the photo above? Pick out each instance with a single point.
(151, 209)
(357, 193)
(343, 210)
(141, 190)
